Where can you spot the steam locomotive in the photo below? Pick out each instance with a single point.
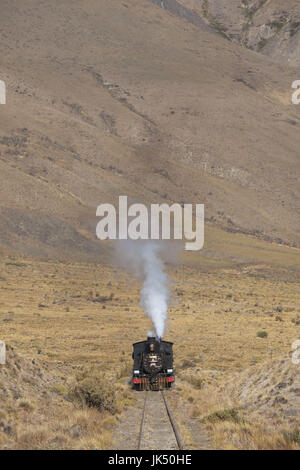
(152, 364)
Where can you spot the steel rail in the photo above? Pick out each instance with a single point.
(142, 421)
(174, 427)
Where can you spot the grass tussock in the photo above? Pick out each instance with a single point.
(196, 382)
(262, 334)
(125, 370)
(230, 414)
(26, 405)
(292, 436)
(94, 390)
(60, 389)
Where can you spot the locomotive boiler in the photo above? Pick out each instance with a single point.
(152, 364)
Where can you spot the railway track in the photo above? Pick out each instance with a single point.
(159, 401)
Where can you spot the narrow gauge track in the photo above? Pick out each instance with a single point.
(167, 416)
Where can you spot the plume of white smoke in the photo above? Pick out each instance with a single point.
(145, 259)
(154, 293)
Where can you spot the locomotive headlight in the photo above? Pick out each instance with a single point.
(136, 372)
(169, 371)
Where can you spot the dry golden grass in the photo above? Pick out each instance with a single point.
(39, 410)
(69, 315)
(67, 429)
(212, 418)
(83, 313)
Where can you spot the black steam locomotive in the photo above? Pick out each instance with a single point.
(152, 364)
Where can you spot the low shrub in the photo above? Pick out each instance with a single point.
(94, 391)
(230, 414)
(26, 405)
(292, 436)
(262, 334)
(60, 389)
(197, 382)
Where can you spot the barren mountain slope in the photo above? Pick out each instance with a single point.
(108, 98)
(268, 26)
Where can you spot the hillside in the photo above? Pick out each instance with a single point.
(257, 408)
(39, 410)
(108, 98)
(270, 390)
(271, 27)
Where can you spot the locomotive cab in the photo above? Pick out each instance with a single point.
(152, 364)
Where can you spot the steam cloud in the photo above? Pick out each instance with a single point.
(145, 259)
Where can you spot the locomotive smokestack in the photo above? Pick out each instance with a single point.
(153, 339)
